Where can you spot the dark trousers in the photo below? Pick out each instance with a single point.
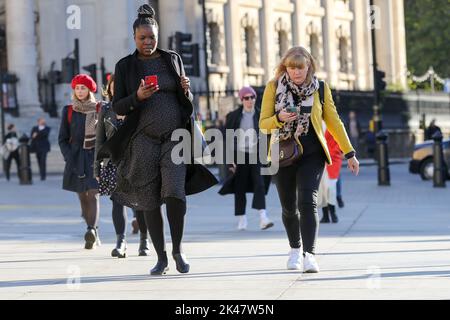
(42, 162)
(297, 187)
(246, 173)
(12, 156)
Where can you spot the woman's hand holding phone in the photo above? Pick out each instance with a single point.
(286, 115)
(145, 91)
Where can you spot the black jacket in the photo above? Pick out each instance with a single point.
(233, 121)
(128, 77)
(40, 144)
(106, 127)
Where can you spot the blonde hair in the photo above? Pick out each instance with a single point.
(106, 92)
(297, 57)
(91, 96)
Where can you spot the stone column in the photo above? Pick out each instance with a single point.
(233, 43)
(22, 53)
(172, 17)
(385, 40)
(298, 23)
(362, 56)
(330, 56)
(400, 44)
(267, 42)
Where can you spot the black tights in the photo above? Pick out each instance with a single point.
(90, 207)
(176, 210)
(119, 216)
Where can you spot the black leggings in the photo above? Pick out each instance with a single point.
(297, 187)
(176, 210)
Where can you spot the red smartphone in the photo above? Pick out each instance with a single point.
(151, 80)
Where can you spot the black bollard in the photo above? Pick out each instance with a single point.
(25, 176)
(384, 178)
(439, 173)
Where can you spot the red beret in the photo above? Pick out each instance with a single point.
(86, 80)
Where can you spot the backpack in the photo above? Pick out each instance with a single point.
(12, 144)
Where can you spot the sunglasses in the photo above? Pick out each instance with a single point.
(249, 98)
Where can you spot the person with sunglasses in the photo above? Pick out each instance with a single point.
(246, 174)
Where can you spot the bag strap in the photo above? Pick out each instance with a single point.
(69, 114)
(322, 92)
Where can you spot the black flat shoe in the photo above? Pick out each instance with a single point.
(121, 247)
(181, 262)
(143, 248)
(160, 268)
(90, 238)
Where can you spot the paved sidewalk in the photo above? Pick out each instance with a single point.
(391, 243)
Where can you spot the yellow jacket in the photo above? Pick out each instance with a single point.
(268, 120)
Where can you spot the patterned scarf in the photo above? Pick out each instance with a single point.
(290, 94)
(89, 108)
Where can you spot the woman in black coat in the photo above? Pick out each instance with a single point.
(147, 177)
(105, 172)
(77, 143)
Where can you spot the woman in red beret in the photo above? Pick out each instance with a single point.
(77, 143)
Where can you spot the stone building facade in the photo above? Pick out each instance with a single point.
(246, 39)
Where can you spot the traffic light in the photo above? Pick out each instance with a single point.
(380, 82)
(189, 53)
(92, 69)
(67, 70)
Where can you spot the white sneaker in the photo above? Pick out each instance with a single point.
(295, 260)
(265, 223)
(310, 264)
(242, 225)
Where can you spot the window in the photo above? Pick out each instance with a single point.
(314, 45)
(283, 43)
(214, 43)
(250, 46)
(343, 55)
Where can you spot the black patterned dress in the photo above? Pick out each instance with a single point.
(147, 175)
(108, 175)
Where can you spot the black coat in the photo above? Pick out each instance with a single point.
(106, 127)
(79, 168)
(233, 121)
(127, 79)
(40, 144)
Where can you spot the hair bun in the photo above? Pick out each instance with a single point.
(146, 11)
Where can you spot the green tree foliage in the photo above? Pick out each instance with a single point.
(428, 36)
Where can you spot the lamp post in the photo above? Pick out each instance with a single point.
(205, 48)
(376, 105)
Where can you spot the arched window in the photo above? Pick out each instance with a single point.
(343, 55)
(283, 43)
(314, 45)
(214, 43)
(250, 46)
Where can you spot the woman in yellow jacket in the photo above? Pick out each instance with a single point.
(295, 85)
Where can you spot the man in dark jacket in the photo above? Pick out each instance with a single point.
(41, 145)
(246, 175)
